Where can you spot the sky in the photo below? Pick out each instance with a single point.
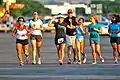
(72, 1)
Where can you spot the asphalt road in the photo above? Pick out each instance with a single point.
(50, 69)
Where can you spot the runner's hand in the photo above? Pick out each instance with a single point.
(13, 34)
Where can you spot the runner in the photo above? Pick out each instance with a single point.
(94, 28)
(71, 22)
(22, 32)
(60, 37)
(80, 32)
(114, 30)
(36, 37)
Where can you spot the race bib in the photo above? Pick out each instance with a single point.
(60, 40)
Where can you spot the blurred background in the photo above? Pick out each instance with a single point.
(48, 10)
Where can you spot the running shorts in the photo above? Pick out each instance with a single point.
(36, 37)
(23, 42)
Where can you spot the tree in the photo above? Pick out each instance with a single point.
(109, 6)
(29, 7)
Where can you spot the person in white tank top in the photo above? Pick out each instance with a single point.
(36, 37)
(19, 34)
(22, 32)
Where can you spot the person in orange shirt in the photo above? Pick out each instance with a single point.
(4, 16)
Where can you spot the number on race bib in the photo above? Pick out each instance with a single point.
(60, 40)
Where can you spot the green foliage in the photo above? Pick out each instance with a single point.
(109, 6)
(29, 7)
(15, 13)
(1, 1)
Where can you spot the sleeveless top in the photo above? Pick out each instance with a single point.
(37, 24)
(20, 33)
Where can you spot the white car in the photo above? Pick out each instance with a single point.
(104, 27)
(46, 26)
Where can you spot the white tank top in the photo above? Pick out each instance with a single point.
(20, 33)
(37, 24)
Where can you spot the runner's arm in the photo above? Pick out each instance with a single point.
(40, 28)
(14, 32)
(28, 31)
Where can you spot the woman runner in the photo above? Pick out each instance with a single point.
(22, 32)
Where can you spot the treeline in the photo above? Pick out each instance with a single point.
(29, 7)
(109, 6)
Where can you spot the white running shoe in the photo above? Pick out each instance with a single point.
(116, 61)
(33, 62)
(39, 61)
(102, 60)
(21, 64)
(94, 63)
(84, 60)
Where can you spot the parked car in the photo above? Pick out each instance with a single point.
(104, 27)
(104, 23)
(47, 27)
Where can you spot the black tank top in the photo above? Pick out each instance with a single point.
(60, 29)
(74, 23)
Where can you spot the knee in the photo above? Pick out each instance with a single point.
(97, 51)
(78, 50)
(93, 51)
(114, 49)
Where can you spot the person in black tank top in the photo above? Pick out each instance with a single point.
(71, 22)
(60, 38)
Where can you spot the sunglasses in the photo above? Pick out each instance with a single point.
(69, 12)
(35, 14)
(20, 20)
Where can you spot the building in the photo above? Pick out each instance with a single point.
(79, 7)
(62, 8)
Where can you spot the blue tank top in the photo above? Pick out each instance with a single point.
(78, 31)
(113, 28)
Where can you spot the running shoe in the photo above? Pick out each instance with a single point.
(39, 61)
(116, 62)
(79, 62)
(84, 58)
(27, 59)
(60, 62)
(21, 64)
(102, 60)
(94, 63)
(69, 61)
(74, 62)
(33, 62)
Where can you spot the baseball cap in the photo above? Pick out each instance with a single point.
(70, 11)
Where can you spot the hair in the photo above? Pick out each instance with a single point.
(117, 18)
(21, 18)
(36, 12)
(82, 19)
(95, 17)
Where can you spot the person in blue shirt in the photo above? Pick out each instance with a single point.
(94, 28)
(114, 30)
(80, 32)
